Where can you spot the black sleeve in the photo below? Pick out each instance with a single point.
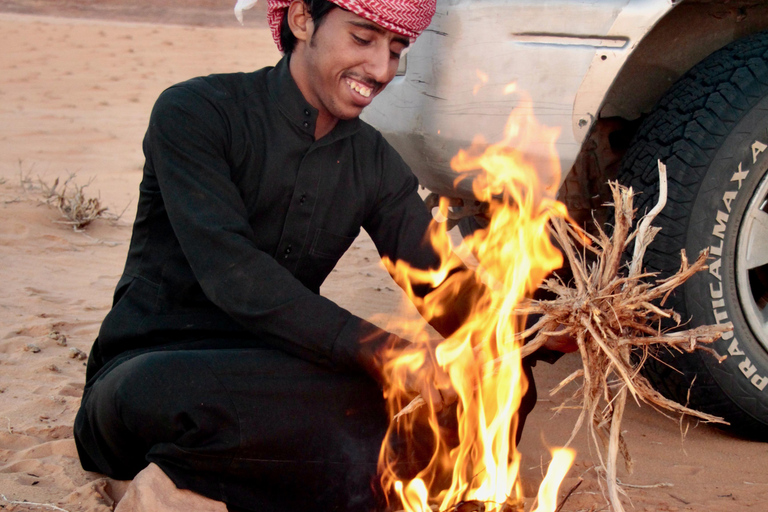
(398, 225)
(188, 144)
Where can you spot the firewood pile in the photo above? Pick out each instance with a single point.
(616, 317)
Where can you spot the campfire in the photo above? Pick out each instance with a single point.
(609, 308)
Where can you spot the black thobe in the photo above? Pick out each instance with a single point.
(219, 360)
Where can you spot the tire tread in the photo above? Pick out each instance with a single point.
(685, 130)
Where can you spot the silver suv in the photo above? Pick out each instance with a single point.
(628, 82)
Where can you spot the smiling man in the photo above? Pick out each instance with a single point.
(221, 378)
(221, 375)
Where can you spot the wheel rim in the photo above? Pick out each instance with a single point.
(752, 263)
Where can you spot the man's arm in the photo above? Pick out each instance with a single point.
(399, 226)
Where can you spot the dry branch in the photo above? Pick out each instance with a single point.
(32, 504)
(616, 320)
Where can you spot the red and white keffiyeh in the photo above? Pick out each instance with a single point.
(405, 17)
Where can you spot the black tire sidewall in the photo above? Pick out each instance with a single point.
(709, 299)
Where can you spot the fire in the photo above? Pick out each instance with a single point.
(481, 358)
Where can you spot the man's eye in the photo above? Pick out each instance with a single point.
(394, 55)
(360, 40)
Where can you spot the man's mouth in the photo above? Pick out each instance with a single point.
(364, 90)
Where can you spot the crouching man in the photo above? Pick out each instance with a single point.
(221, 378)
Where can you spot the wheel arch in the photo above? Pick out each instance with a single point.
(680, 38)
(683, 37)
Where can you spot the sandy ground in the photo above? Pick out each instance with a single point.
(75, 95)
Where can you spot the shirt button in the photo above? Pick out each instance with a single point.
(303, 198)
(306, 124)
(288, 249)
(306, 112)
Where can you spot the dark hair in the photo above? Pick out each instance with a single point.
(317, 9)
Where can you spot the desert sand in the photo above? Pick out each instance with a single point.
(76, 89)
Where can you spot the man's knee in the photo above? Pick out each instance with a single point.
(172, 397)
(105, 442)
(155, 399)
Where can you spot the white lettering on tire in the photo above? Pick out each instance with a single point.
(716, 288)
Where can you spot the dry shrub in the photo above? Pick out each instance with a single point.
(77, 209)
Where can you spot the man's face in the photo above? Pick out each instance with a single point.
(347, 62)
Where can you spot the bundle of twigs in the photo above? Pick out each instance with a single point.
(612, 316)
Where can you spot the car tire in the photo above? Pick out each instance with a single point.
(711, 131)
(468, 225)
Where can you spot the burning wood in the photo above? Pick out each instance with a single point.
(515, 253)
(616, 321)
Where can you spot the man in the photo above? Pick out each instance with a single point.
(221, 376)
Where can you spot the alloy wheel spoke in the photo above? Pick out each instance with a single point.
(757, 236)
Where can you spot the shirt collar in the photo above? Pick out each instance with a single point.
(284, 92)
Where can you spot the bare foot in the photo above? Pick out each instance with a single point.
(153, 491)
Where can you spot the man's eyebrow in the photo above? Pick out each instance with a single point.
(369, 25)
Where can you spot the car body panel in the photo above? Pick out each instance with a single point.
(564, 54)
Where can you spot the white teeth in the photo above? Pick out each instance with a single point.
(364, 91)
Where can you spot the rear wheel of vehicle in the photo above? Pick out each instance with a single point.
(711, 130)
(468, 225)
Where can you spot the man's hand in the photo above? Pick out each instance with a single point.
(430, 380)
(562, 342)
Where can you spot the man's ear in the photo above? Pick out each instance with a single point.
(300, 20)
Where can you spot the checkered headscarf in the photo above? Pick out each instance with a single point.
(408, 18)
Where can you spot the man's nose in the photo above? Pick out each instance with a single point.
(379, 64)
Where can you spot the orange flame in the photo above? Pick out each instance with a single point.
(514, 254)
